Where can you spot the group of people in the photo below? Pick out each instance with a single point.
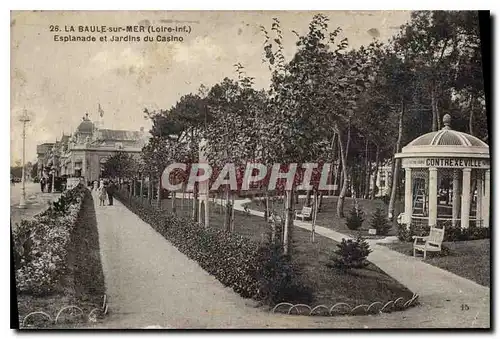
(105, 189)
(45, 183)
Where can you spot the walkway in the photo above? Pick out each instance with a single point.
(150, 284)
(442, 293)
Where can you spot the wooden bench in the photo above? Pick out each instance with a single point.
(430, 243)
(306, 212)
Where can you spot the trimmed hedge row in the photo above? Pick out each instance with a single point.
(237, 262)
(452, 233)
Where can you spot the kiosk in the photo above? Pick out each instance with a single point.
(447, 179)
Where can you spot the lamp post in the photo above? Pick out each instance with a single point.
(24, 119)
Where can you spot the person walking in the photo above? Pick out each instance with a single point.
(102, 195)
(41, 184)
(110, 188)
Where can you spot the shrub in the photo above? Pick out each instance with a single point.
(280, 280)
(351, 254)
(380, 222)
(404, 233)
(385, 198)
(355, 218)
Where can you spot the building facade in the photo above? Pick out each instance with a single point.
(83, 153)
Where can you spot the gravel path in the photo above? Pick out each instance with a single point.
(150, 284)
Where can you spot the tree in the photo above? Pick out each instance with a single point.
(445, 52)
(16, 171)
(175, 138)
(120, 165)
(312, 99)
(34, 170)
(232, 136)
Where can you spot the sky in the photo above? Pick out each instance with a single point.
(59, 82)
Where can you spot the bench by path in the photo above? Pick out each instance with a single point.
(150, 284)
(442, 293)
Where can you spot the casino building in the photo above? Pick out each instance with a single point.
(83, 153)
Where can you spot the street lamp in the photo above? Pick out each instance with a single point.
(24, 119)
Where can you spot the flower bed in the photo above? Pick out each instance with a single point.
(40, 244)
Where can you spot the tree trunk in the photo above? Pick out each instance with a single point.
(183, 197)
(368, 172)
(172, 193)
(231, 220)
(341, 175)
(343, 155)
(436, 108)
(389, 182)
(227, 213)
(152, 187)
(142, 188)
(273, 230)
(266, 204)
(320, 201)
(396, 162)
(333, 174)
(133, 188)
(375, 173)
(315, 213)
(195, 202)
(471, 116)
(434, 111)
(308, 198)
(207, 209)
(287, 229)
(158, 197)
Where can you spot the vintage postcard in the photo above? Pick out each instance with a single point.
(250, 169)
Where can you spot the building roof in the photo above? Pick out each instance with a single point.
(43, 148)
(65, 139)
(446, 142)
(447, 137)
(86, 126)
(119, 135)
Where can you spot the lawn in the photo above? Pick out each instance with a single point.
(327, 216)
(469, 259)
(83, 284)
(360, 286)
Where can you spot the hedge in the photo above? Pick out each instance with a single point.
(452, 233)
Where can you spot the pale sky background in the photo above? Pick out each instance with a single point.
(59, 82)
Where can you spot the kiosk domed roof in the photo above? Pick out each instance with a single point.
(446, 141)
(447, 137)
